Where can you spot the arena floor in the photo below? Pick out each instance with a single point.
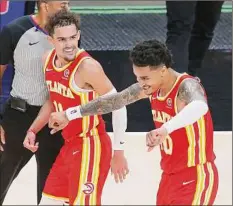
(142, 183)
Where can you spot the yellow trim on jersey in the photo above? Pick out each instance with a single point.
(211, 183)
(72, 76)
(80, 199)
(164, 97)
(67, 65)
(96, 118)
(85, 119)
(96, 167)
(202, 141)
(96, 123)
(47, 60)
(200, 186)
(96, 95)
(55, 198)
(192, 143)
(175, 103)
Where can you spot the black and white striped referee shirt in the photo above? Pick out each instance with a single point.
(22, 44)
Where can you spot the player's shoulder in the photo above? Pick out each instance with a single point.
(190, 81)
(190, 87)
(90, 66)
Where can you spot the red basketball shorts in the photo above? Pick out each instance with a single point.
(192, 186)
(80, 171)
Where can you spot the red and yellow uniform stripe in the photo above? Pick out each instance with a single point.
(196, 135)
(202, 142)
(205, 184)
(192, 144)
(91, 153)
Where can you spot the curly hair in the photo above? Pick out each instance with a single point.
(60, 19)
(151, 53)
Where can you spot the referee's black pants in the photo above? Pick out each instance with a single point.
(190, 30)
(15, 156)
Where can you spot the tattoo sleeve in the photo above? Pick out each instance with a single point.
(107, 104)
(190, 90)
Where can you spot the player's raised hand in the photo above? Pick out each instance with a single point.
(30, 142)
(155, 137)
(119, 166)
(58, 121)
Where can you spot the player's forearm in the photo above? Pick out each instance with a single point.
(119, 124)
(104, 105)
(43, 117)
(187, 116)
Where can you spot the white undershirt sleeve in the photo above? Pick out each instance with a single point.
(119, 124)
(188, 115)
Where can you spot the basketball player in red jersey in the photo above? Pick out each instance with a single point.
(73, 77)
(182, 118)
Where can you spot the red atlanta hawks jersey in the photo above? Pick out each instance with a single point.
(185, 147)
(64, 96)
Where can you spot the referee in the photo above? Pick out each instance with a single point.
(23, 42)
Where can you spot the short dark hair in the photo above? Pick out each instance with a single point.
(151, 53)
(60, 19)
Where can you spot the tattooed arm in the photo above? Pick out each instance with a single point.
(101, 105)
(191, 106)
(190, 90)
(104, 105)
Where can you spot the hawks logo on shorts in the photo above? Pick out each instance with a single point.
(4, 6)
(88, 188)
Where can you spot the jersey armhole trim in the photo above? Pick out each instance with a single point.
(72, 76)
(47, 60)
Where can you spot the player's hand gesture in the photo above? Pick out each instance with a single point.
(119, 166)
(30, 142)
(155, 137)
(58, 121)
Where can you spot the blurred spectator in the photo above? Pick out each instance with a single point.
(190, 29)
